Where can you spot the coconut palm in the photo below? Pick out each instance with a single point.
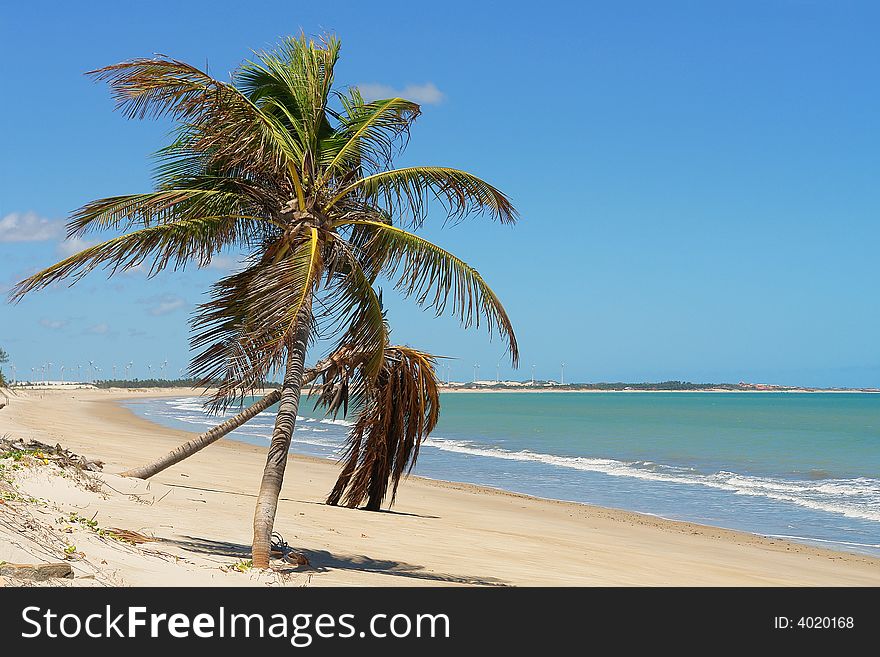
(280, 165)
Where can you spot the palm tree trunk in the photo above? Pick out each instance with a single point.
(378, 481)
(191, 447)
(276, 461)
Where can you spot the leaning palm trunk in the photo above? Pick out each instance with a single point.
(276, 461)
(196, 444)
(199, 443)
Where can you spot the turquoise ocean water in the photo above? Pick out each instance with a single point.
(804, 466)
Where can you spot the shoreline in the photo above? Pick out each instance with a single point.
(470, 534)
(670, 515)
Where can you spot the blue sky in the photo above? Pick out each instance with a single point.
(698, 181)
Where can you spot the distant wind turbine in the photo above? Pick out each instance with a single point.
(533, 375)
(562, 378)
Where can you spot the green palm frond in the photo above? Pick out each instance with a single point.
(366, 134)
(292, 83)
(406, 192)
(215, 116)
(169, 244)
(436, 279)
(153, 208)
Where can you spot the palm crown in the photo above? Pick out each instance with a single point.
(298, 175)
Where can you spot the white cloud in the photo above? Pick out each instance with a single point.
(53, 324)
(98, 329)
(73, 245)
(164, 304)
(424, 94)
(28, 227)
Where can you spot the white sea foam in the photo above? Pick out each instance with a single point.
(822, 540)
(200, 420)
(341, 423)
(853, 498)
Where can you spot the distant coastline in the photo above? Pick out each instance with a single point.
(576, 389)
(483, 386)
(662, 386)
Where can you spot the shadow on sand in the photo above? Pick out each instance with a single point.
(290, 499)
(322, 561)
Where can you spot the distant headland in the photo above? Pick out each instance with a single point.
(661, 386)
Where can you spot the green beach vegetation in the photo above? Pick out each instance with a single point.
(297, 174)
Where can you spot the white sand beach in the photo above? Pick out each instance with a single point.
(438, 533)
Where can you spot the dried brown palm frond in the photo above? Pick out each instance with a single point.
(399, 410)
(243, 332)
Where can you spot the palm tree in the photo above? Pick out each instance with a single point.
(298, 175)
